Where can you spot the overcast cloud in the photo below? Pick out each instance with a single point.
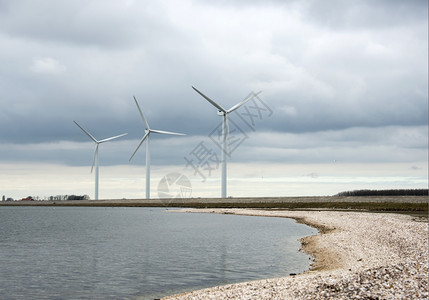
(343, 80)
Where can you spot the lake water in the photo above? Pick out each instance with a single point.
(138, 253)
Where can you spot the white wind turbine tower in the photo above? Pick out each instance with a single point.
(225, 131)
(148, 131)
(95, 160)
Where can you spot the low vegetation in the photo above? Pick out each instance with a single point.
(362, 205)
(372, 206)
(370, 200)
(398, 192)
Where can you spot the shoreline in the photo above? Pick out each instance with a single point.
(356, 255)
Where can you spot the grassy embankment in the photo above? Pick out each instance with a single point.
(385, 203)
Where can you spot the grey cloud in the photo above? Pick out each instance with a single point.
(340, 15)
(106, 24)
(354, 145)
(318, 71)
(374, 145)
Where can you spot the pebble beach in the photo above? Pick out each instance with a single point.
(356, 255)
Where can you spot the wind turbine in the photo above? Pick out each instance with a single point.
(148, 131)
(95, 160)
(225, 131)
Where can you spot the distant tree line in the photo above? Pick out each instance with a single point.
(67, 197)
(51, 198)
(400, 192)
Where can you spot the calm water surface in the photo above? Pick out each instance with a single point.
(143, 253)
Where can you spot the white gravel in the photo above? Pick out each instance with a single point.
(357, 256)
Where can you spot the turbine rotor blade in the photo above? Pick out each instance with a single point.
(112, 138)
(141, 113)
(211, 101)
(87, 133)
(141, 142)
(166, 132)
(95, 156)
(251, 95)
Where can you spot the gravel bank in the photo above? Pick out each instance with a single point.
(357, 256)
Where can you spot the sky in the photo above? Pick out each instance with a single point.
(343, 102)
